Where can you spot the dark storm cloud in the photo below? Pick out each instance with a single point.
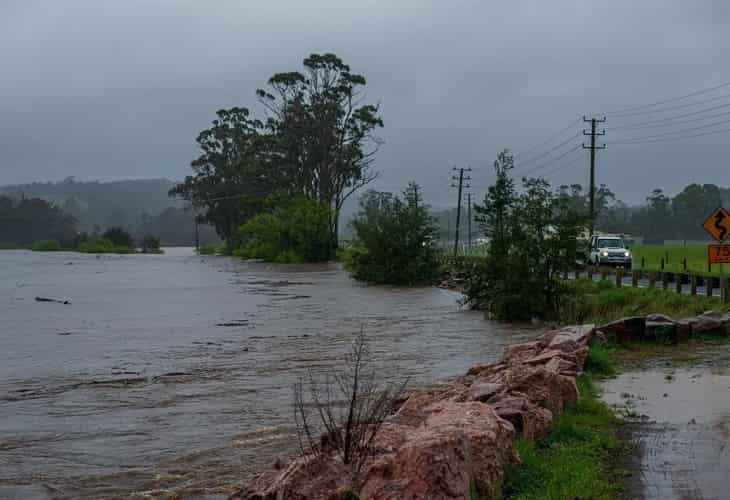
(105, 89)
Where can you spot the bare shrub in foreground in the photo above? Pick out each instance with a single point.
(344, 412)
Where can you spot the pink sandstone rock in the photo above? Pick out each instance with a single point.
(571, 338)
(542, 386)
(459, 445)
(529, 420)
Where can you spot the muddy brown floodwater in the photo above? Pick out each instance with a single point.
(679, 418)
(173, 374)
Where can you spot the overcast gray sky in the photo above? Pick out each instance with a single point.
(111, 89)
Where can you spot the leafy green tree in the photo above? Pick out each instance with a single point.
(293, 229)
(324, 133)
(232, 177)
(27, 220)
(533, 241)
(395, 240)
(118, 237)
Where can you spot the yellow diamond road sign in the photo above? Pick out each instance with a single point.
(718, 224)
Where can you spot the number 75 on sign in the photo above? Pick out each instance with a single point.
(718, 254)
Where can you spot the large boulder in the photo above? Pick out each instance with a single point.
(543, 387)
(624, 329)
(660, 328)
(459, 445)
(529, 420)
(571, 338)
(707, 322)
(518, 353)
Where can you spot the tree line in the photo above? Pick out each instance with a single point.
(660, 218)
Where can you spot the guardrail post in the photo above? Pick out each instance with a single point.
(619, 277)
(708, 285)
(604, 273)
(665, 281)
(693, 284)
(634, 278)
(652, 279)
(723, 289)
(678, 278)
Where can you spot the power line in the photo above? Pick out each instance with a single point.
(675, 132)
(548, 152)
(563, 166)
(550, 162)
(623, 111)
(672, 108)
(674, 120)
(548, 140)
(651, 141)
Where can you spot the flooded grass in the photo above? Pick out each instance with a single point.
(575, 459)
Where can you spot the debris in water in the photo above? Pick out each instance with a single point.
(58, 301)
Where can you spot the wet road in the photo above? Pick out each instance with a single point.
(679, 419)
(172, 374)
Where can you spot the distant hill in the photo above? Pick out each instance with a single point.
(103, 204)
(138, 205)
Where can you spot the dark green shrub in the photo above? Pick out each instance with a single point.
(46, 246)
(151, 244)
(394, 241)
(119, 237)
(294, 229)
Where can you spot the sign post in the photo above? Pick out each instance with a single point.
(717, 225)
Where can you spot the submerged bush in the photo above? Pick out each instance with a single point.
(119, 237)
(46, 246)
(102, 245)
(151, 244)
(394, 241)
(294, 229)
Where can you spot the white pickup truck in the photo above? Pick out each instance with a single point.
(609, 250)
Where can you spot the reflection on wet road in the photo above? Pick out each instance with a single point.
(680, 420)
(173, 373)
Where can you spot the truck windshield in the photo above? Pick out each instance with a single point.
(610, 243)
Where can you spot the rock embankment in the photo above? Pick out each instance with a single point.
(445, 443)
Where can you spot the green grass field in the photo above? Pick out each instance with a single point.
(674, 255)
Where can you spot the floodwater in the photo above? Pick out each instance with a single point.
(680, 421)
(172, 374)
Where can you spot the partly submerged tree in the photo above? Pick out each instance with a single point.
(318, 141)
(395, 240)
(325, 134)
(119, 237)
(232, 176)
(292, 229)
(533, 241)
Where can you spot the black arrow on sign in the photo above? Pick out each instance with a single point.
(719, 217)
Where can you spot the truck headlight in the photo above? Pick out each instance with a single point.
(627, 254)
(604, 254)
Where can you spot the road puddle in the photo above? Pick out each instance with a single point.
(679, 419)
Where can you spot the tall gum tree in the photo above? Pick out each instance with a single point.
(324, 131)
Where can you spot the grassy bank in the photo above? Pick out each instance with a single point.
(674, 255)
(576, 459)
(601, 301)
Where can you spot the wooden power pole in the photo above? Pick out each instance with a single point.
(468, 218)
(461, 180)
(592, 189)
